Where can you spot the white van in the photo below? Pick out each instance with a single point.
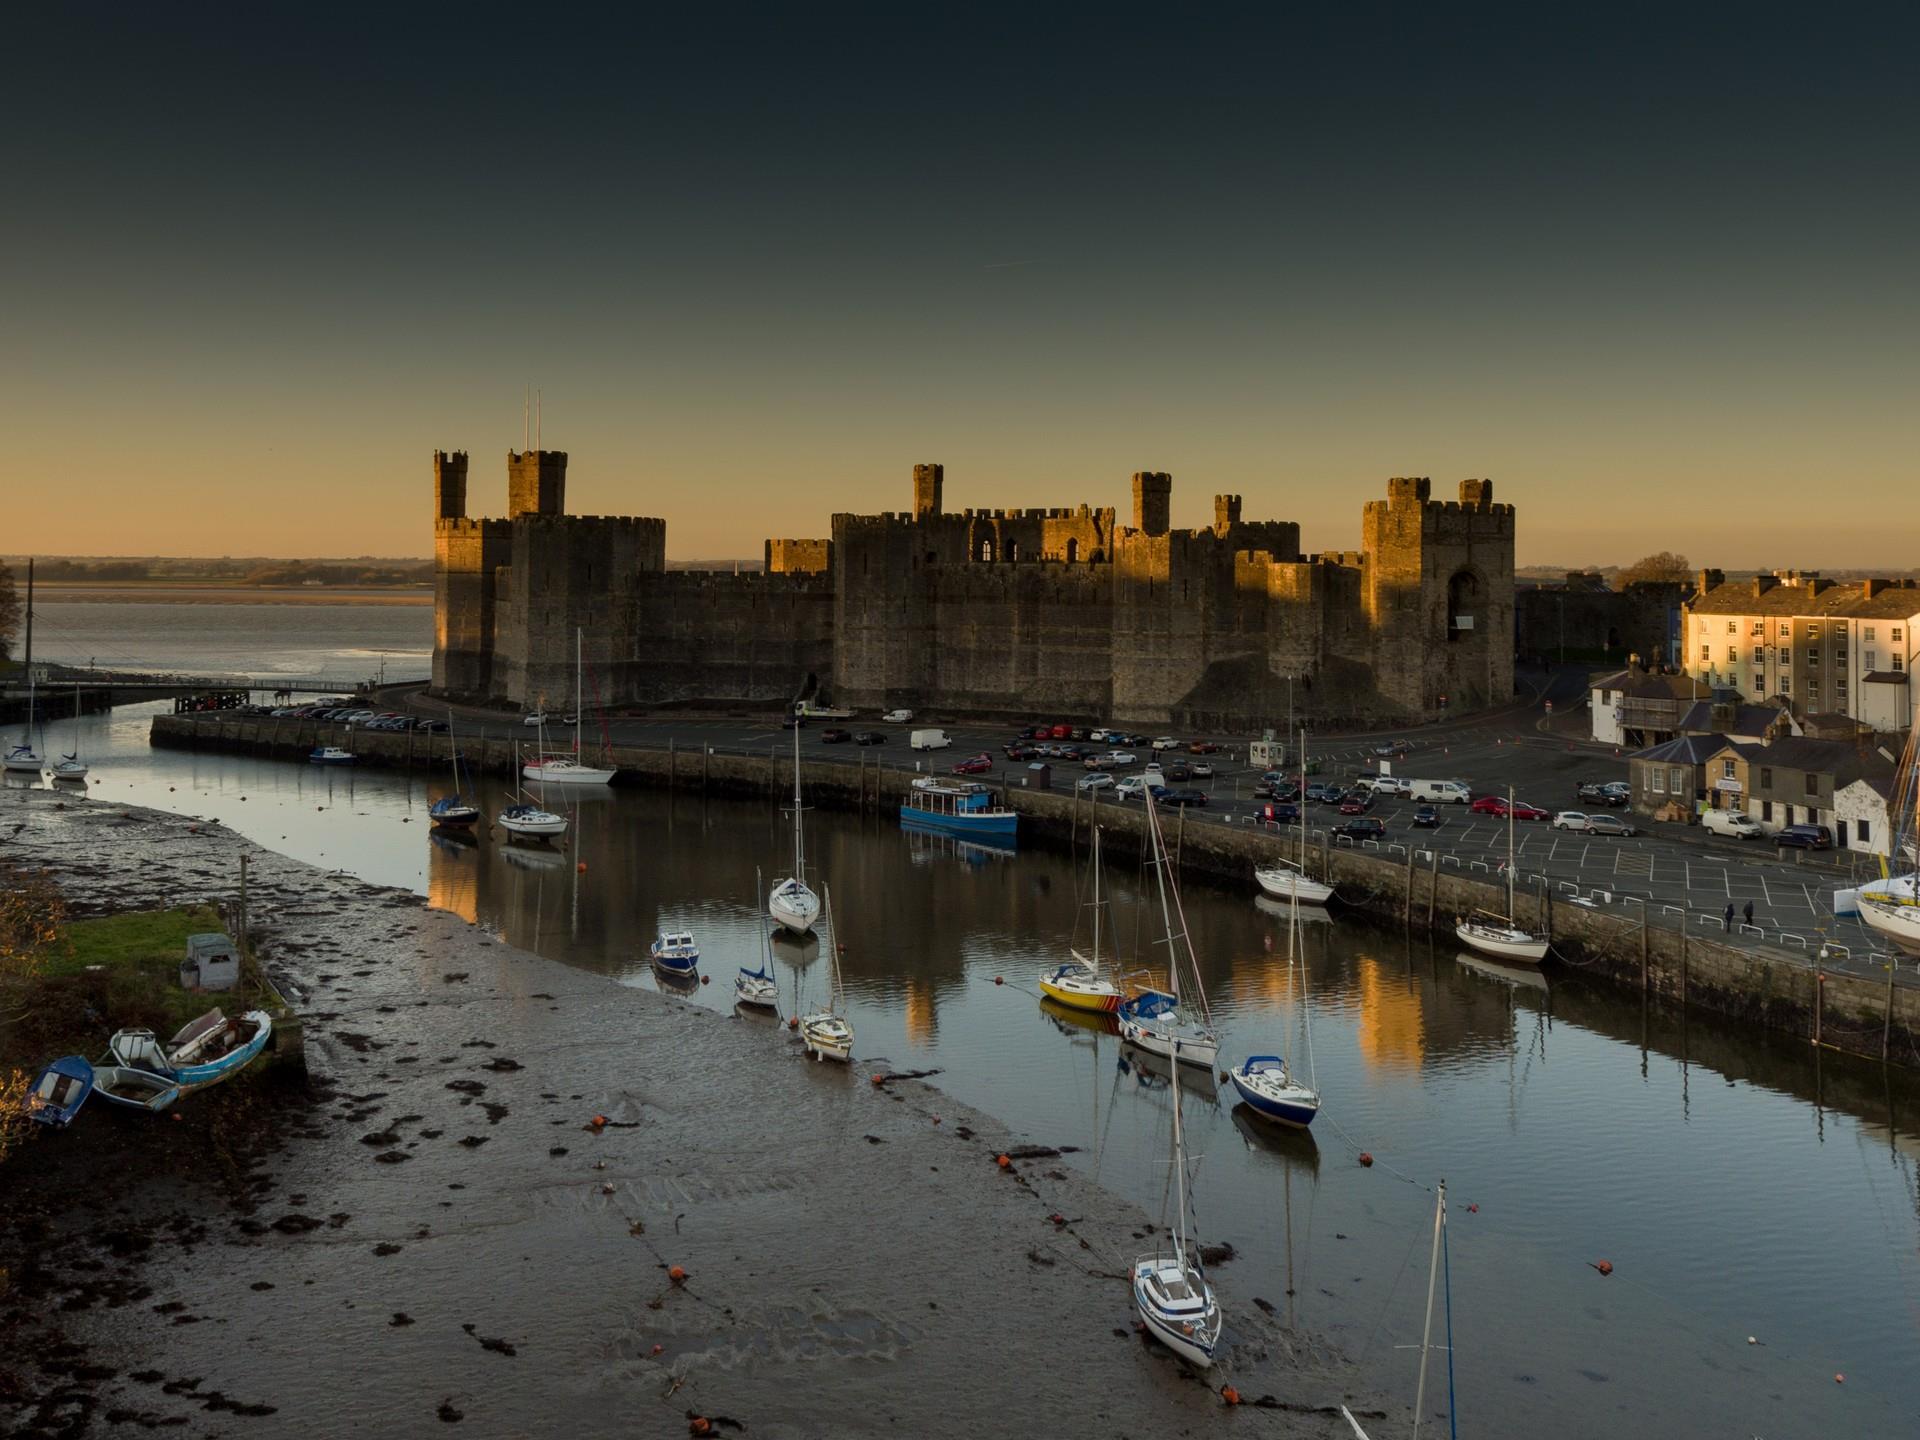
(928, 740)
(1440, 792)
(1731, 822)
(897, 717)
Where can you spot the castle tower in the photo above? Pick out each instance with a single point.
(536, 483)
(1226, 514)
(1152, 501)
(927, 482)
(449, 484)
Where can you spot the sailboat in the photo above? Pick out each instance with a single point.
(453, 812)
(1152, 1019)
(555, 768)
(1078, 983)
(1266, 1082)
(1170, 1290)
(791, 903)
(1502, 936)
(70, 766)
(23, 757)
(1891, 907)
(827, 1034)
(528, 820)
(1287, 879)
(756, 987)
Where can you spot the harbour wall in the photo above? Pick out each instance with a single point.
(1776, 989)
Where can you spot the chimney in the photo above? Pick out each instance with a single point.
(1708, 580)
(1762, 584)
(1871, 588)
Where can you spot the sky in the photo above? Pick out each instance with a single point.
(1649, 268)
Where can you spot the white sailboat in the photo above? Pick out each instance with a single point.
(1078, 982)
(1288, 879)
(1891, 907)
(1170, 1289)
(791, 903)
(70, 766)
(828, 1034)
(23, 758)
(756, 988)
(1153, 1019)
(1266, 1082)
(453, 812)
(1502, 936)
(556, 768)
(526, 819)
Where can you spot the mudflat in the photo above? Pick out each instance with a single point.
(472, 1214)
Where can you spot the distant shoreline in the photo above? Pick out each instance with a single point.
(214, 592)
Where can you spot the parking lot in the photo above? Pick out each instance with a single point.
(1677, 873)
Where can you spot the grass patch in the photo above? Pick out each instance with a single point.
(133, 941)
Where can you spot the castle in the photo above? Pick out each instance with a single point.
(1036, 613)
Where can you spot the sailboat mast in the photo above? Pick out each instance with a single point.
(579, 693)
(1426, 1338)
(1173, 1042)
(1293, 926)
(799, 831)
(1510, 904)
(1096, 899)
(29, 650)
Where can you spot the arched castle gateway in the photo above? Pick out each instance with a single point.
(1031, 613)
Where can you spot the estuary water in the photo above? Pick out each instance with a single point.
(1759, 1203)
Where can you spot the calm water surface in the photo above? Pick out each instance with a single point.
(348, 641)
(1740, 1186)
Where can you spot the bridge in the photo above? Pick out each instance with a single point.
(130, 687)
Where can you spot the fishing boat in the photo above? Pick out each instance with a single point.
(1266, 1082)
(756, 988)
(1891, 907)
(330, 755)
(559, 767)
(1501, 936)
(828, 1034)
(58, 1092)
(1078, 983)
(964, 808)
(453, 812)
(1153, 1019)
(23, 758)
(205, 1052)
(70, 766)
(792, 904)
(675, 953)
(136, 1089)
(1170, 1288)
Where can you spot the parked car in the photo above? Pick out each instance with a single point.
(1394, 748)
(538, 717)
(1062, 732)
(1020, 750)
(1181, 797)
(1571, 820)
(897, 717)
(1609, 825)
(1120, 757)
(869, 737)
(975, 765)
(1427, 817)
(1203, 747)
(1355, 803)
(1097, 781)
(1365, 828)
(835, 736)
(1496, 805)
(1201, 770)
(1166, 742)
(1133, 786)
(1323, 794)
(1178, 774)
(1804, 837)
(1595, 793)
(1281, 814)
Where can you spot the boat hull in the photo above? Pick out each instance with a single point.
(567, 773)
(1081, 995)
(1290, 1105)
(21, 764)
(827, 1037)
(1282, 885)
(1516, 948)
(134, 1089)
(1896, 923)
(757, 991)
(1193, 1341)
(58, 1092)
(795, 912)
(1001, 824)
(1190, 1047)
(193, 1077)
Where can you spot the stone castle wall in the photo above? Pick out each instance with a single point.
(1057, 611)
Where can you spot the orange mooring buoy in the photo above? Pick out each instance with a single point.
(677, 1275)
(1004, 1163)
(581, 867)
(1229, 1394)
(598, 1122)
(793, 1022)
(998, 981)
(706, 979)
(878, 1079)
(699, 1425)
(1366, 1158)
(1605, 1267)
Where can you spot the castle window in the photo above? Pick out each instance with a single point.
(985, 553)
(1013, 550)
(1073, 551)
(1463, 601)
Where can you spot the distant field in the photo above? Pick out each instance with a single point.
(227, 592)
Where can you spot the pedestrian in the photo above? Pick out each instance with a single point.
(1749, 912)
(1728, 926)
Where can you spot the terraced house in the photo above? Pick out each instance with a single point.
(1822, 646)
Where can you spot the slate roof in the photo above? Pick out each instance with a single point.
(1841, 598)
(1884, 677)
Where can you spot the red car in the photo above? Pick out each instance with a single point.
(978, 765)
(1496, 805)
(1063, 732)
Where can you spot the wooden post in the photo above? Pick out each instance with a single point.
(1683, 962)
(1406, 901)
(1819, 994)
(1179, 834)
(1645, 953)
(1886, 1026)
(243, 907)
(1433, 883)
(672, 767)
(706, 757)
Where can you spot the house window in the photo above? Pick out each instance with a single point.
(1813, 659)
(1896, 634)
(1759, 684)
(1863, 832)
(1706, 652)
(1726, 769)
(1679, 780)
(1766, 811)
(1840, 690)
(1759, 654)
(1897, 664)
(1873, 660)
(1659, 778)
(1759, 627)
(1813, 632)
(1730, 627)
(1813, 690)
(1866, 633)
(1766, 777)
(1813, 783)
(1786, 656)
(1733, 654)
(1785, 630)
(1786, 685)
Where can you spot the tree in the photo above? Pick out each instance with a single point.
(9, 612)
(1664, 566)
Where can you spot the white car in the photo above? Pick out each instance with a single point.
(1571, 820)
(898, 717)
(1119, 757)
(1166, 742)
(1134, 786)
(539, 717)
(1095, 781)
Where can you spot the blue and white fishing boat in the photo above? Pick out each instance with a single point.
(136, 1089)
(675, 954)
(59, 1091)
(329, 755)
(209, 1050)
(1270, 1090)
(965, 808)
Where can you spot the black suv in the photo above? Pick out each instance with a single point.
(1365, 828)
(869, 737)
(1596, 793)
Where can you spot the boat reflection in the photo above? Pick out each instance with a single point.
(1078, 1024)
(674, 982)
(1155, 1072)
(1529, 977)
(926, 845)
(1288, 1144)
(533, 857)
(1281, 909)
(799, 951)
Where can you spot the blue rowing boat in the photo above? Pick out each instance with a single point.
(59, 1091)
